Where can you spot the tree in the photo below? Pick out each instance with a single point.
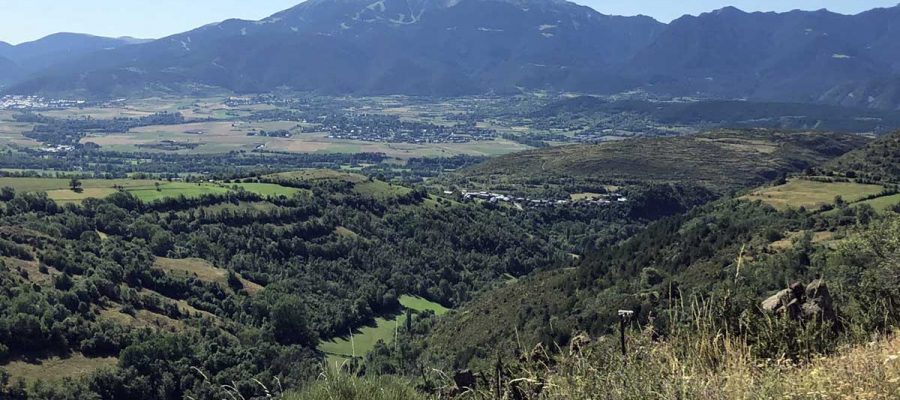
(161, 243)
(75, 185)
(289, 322)
(839, 202)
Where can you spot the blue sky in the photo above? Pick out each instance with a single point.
(24, 20)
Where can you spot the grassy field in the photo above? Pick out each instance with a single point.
(364, 339)
(146, 190)
(361, 184)
(203, 270)
(56, 368)
(268, 189)
(420, 304)
(380, 190)
(883, 203)
(811, 194)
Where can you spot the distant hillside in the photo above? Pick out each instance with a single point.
(737, 114)
(797, 56)
(37, 55)
(9, 71)
(723, 161)
(879, 161)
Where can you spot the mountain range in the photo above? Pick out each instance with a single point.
(457, 47)
(21, 60)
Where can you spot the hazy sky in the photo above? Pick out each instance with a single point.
(24, 20)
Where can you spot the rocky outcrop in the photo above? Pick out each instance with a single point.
(812, 302)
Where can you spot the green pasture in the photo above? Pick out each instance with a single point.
(364, 339)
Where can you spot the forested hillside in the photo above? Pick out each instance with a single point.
(877, 162)
(138, 292)
(237, 285)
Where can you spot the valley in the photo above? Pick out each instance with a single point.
(251, 223)
(451, 200)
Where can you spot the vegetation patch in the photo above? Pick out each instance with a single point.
(267, 189)
(883, 203)
(791, 237)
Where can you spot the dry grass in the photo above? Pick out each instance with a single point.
(811, 194)
(676, 370)
(56, 368)
(788, 242)
(141, 319)
(203, 270)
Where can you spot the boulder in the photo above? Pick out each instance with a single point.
(812, 301)
(777, 301)
(819, 303)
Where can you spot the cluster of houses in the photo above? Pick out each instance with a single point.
(493, 198)
(60, 148)
(35, 102)
(391, 129)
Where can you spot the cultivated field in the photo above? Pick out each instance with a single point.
(225, 128)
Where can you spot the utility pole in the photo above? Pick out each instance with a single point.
(624, 317)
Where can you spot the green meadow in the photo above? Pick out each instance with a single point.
(364, 339)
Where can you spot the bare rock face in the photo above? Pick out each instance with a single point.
(812, 302)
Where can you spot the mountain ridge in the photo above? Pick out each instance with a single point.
(462, 47)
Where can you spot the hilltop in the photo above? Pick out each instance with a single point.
(722, 161)
(879, 161)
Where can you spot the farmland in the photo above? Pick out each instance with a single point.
(146, 190)
(216, 125)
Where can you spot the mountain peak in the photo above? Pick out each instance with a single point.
(729, 11)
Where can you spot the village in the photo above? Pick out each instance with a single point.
(15, 102)
(600, 200)
(391, 129)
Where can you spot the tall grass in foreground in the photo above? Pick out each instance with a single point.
(342, 386)
(715, 367)
(701, 359)
(705, 361)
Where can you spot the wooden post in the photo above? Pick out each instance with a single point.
(624, 316)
